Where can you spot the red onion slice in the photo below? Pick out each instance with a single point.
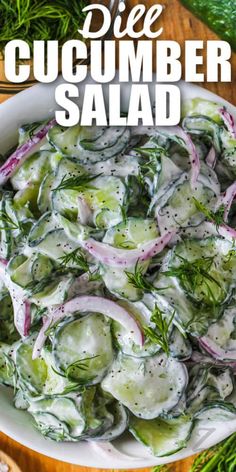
(84, 211)
(115, 257)
(227, 199)
(91, 304)
(228, 121)
(211, 158)
(216, 351)
(23, 152)
(193, 155)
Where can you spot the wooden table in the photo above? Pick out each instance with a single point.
(179, 25)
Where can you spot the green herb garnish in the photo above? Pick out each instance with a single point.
(160, 334)
(140, 282)
(192, 274)
(79, 183)
(77, 258)
(10, 224)
(220, 458)
(161, 468)
(31, 20)
(214, 217)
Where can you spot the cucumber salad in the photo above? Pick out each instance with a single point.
(118, 277)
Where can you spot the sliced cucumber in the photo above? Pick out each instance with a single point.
(222, 335)
(131, 233)
(208, 385)
(83, 348)
(68, 142)
(148, 387)
(204, 126)
(64, 409)
(179, 209)
(106, 140)
(52, 428)
(117, 282)
(32, 170)
(124, 339)
(162, 437)
(32, 373)
(8, 332)
(98, 418)
(44, 194)
(7, 366)
(55, 292)
(46, 224)
(55, 244)
(217, 412)
(105, 199)
(119, 425)
(180, 346)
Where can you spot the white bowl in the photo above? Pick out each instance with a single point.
(36, 104)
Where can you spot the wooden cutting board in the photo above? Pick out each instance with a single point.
(179, 25)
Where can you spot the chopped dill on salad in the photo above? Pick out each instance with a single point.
(117, 278)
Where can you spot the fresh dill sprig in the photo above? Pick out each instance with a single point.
(140, 282)
(214, 217)
(10, 224)
(161, 468)
(76, 258)
(193, 274)
(11, 370)
(220, 458)
(160, 334)
(31, 20)
(79, 183)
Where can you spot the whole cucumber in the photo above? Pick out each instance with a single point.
(219, 15)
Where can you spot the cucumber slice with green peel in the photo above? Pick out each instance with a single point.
(52, 428)
(162, 437)
(44, 194)
(221, 336)
(204, 126)
(131, 233)
(64, 409)
(124, 339)
(32, 170)
(217, 412)
(9, 224)
(27, 197)
(74, 231)
(200, 107)
(83, 348)
(214, 284)
(39, 377)
(148, 387)
(119, 425)
(68, 142)
(7, 366)
(98, 418)
(180, 346)
(55, 244)
(50, 294)
(46, 224)
(208, 385)
(117, 282)
(23, 270)
(104, 198)
(32, 373)
(8, 331)
(68, 168)
(106, 140)
(179, 209)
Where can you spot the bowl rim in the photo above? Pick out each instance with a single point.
(38, 102)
